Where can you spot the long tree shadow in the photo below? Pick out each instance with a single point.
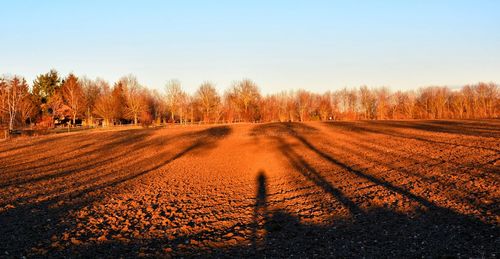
(29, 227)
(428, 204)
(37, 147)
(31, 186)
(119, 146)
(389, 128)
(485, 128)
(304, 168)
(26, 172)
(32, 142)
(424, 171)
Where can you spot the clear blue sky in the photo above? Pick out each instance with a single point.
(316, 45)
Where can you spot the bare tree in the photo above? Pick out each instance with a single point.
(457, 104)
(270, 108)
(208, 99)
(303, 100)
(291, 106)
(486, 95)
(283, 113)
(334, 105)
(3, 101)
(323, 105)
(247, 95)
(91, 91)
(174, 93)
(158, 108)
(183, 107)
(73, 96)
(382, 103)
(404, 105)
(367, 101)
(13, 93)
(471, 101)
(348, 100)
(105, 105)
(27, 109)
(191, 108)
(134, 97)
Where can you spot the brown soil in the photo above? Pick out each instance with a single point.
(390, 189)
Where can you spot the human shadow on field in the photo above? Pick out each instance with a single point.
(38, 217)
(260, 211)
(278, 233)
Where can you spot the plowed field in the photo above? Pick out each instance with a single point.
(391, 189)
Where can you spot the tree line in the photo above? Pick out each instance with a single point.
(52, 100)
